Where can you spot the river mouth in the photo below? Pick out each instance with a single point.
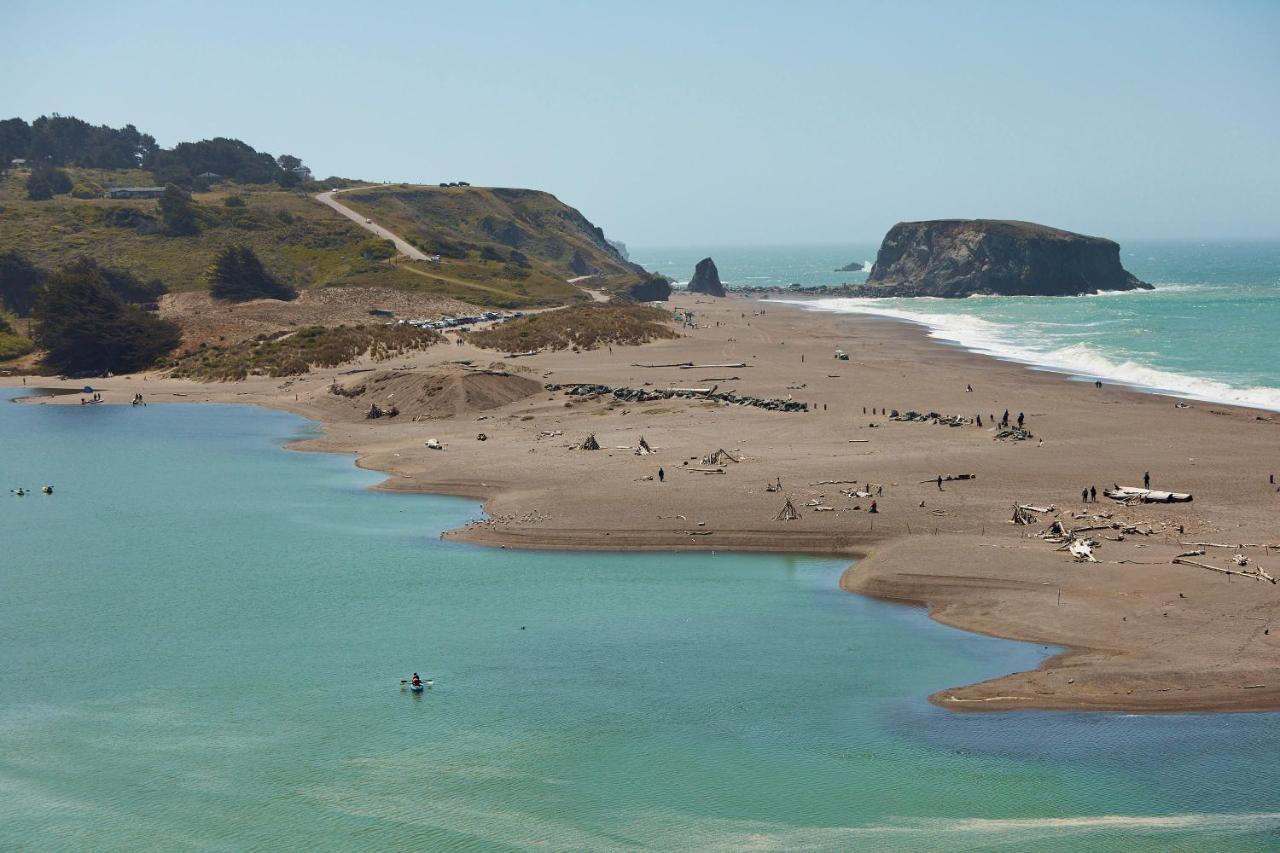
(239, 625)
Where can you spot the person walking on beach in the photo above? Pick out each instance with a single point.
(1093, 494)
(873, 507)
(1004, 421)
(662, 475)
(1084, 495)
(1020, 419)
(939, 482)
(1146, 480)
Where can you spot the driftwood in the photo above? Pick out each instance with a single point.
(673, 364)
(1257, 576)
(704, 470)
(643, 449)
(788, 512)
(719, 457)
(589, 443)
(859, 440)
(735, 365)
(1022, 515)
(951, 478)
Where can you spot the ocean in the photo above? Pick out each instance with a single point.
(1209, 331)
(202, 637)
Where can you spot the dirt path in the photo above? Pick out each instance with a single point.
(402, 245)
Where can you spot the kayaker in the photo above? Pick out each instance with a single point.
(416, 681)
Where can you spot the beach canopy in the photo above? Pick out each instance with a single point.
(88, 389)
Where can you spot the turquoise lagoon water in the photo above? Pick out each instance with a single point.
(201, 637)
(1208, 331)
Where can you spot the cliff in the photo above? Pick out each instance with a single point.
(706, 279)
(964, 257)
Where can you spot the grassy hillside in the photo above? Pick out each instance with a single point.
(299, 240)
(521, 237)
(306, 245)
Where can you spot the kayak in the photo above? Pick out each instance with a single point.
(417, 688)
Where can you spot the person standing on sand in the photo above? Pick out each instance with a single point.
(1093, 494)
(662, 475)
(873, 507)
(939, 482)
(1020, 420)
(1084, 495)
(1146, 480)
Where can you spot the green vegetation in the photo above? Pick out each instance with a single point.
(86, 328)
(499, 248)
(295, 353)
(20, 282)
(176, 212)
(238, 276)
(522, 246)
(582, 327)
(12, 344)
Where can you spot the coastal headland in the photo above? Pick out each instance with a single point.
(1141, 633)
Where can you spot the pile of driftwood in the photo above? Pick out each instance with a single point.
(589, 443)
(788, 512)
(376, 412)
(1012, 433)
(643, 395)
(931, 417)
(643, 448)
(1239, 559)
(719, 457)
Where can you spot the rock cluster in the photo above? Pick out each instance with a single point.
(644, 395)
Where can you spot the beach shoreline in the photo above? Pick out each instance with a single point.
(1140, 634)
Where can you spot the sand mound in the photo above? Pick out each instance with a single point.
(430, 394)
(207, 320)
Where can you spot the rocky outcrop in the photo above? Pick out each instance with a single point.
(650, 288)
(706, 279)
(967, 257)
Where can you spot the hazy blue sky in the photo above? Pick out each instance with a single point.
(712, 123)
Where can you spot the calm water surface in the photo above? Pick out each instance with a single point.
(201, 637)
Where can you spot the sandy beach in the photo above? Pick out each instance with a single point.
(1142, 634)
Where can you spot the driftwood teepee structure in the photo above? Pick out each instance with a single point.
(788, 512)
(590, 443)
(643, 449)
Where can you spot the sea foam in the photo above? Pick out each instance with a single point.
(1079, 359)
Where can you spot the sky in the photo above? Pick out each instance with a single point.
(712, 123)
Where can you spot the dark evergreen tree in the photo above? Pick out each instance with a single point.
(237, 275)
(20, 282)
(87, 329)
(177, 213)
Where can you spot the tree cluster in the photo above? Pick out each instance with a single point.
(68, 141)
(237, 275)
(87, 328)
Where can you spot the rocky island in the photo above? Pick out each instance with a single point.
(990, 257)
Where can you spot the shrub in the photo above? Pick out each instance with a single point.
(585, 327)
(233, 201)
(292, 354)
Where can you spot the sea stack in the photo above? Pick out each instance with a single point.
(706, 279)
(991, 257)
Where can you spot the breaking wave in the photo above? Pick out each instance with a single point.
(1078, 359)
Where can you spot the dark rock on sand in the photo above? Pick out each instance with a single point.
(706, 279)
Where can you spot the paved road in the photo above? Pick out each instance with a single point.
(405, 248)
